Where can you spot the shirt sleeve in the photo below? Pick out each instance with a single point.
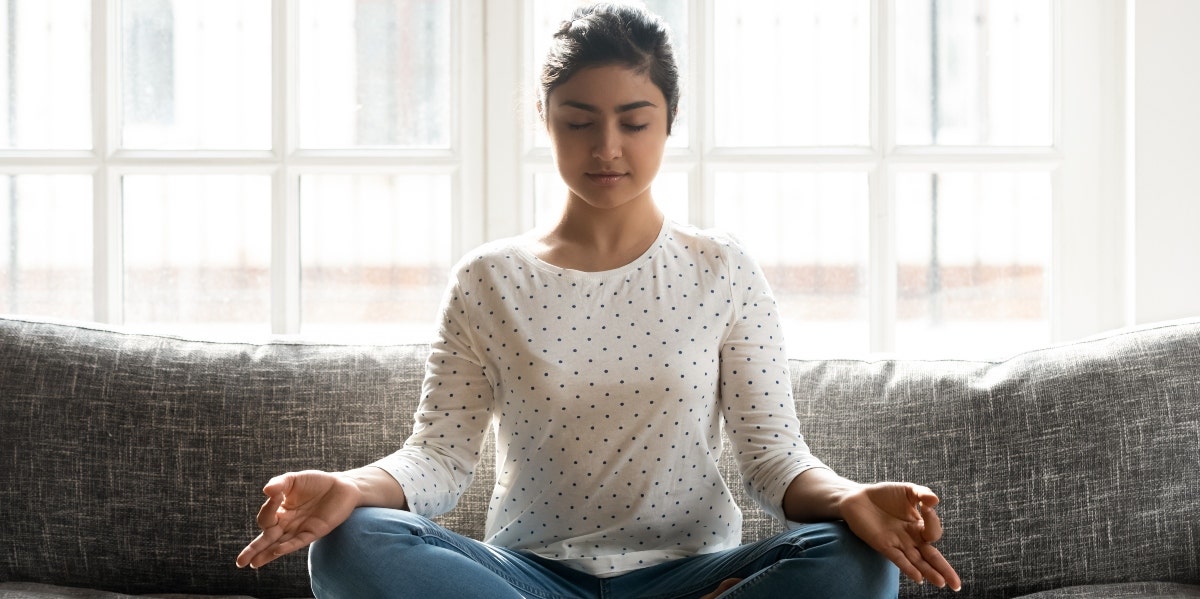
(438, 460)
(756, 390)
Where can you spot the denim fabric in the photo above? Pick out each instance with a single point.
(390, 553)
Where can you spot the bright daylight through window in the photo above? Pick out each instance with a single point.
(250, 166)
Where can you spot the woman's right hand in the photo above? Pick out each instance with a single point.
(301, 507)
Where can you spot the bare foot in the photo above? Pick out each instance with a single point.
(725, 585)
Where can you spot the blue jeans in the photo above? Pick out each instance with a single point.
(390, 553)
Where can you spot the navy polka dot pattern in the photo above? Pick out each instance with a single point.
(608, 392)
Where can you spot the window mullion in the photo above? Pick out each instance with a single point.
(285, 185)
(503, 172)
(881, 288)
(108, 255)
(470, 193)
(1088, 277)
(285, 252)
(107, 247)
(703, 180)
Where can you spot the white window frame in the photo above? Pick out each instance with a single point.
(492, 164)
(284, 163)
(1088, 278)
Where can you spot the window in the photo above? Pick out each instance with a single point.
(895, 165)
(901, 168)
(254, 166)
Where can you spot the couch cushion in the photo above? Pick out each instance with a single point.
(32, 590)
(1131, 590)
(134, 463)
(1078, 464)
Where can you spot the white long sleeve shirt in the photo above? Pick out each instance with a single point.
(607, 392)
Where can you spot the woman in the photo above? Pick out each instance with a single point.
(606, 352)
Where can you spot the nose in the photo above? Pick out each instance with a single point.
(608, 143)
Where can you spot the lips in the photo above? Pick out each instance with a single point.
(605, 177)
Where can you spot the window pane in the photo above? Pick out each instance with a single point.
(550, 195)
(196, 75)
(974, 257)
(198, 250)
(46, 245)
(375, 252)
(810, 233)
(792, 73)
(374, 73)
(548, 14)
(974, 72)
(46, 81)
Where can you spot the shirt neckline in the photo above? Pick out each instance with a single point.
(522, 249)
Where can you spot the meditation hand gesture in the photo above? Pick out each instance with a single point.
(898, 521)
(301, 507)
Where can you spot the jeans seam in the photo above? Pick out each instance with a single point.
(800, 543)
(518, 585)
(741, 590)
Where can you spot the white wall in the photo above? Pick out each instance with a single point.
(1166, 137)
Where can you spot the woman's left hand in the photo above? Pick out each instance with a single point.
(899, 521)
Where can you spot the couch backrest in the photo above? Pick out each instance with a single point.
(134, 462)
(1072, 465)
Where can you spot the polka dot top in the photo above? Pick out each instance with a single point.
(607, 392)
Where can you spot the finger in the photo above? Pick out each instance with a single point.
(297, 543)
(281, 548)
(263, 559)
(931, 574)
(248, 552)
(939, 563)
(269, 554)
(287, 537)
(925, 495)
(912, 500)
(280, 485)
(933, 524)
(263, 542)
(301, 535)
(896, 556)
(254, 561)
(268, 514)
(927, 570)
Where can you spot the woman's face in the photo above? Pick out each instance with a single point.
(608, 128)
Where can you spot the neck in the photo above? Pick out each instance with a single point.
(605, 230)
(593, 239)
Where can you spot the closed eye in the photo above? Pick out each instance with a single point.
(630, 128)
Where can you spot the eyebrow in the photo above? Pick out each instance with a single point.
(621, 108)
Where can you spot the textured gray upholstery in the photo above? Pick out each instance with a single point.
(1128, 590)
(1067, 466)
(132, 463)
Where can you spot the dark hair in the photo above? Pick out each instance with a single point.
(607, 34)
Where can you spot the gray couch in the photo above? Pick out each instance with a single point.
(132, 464)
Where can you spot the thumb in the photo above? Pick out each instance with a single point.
(908, 496)
(279, 485)
(931, 524)
(925, 495)
(921, 498)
